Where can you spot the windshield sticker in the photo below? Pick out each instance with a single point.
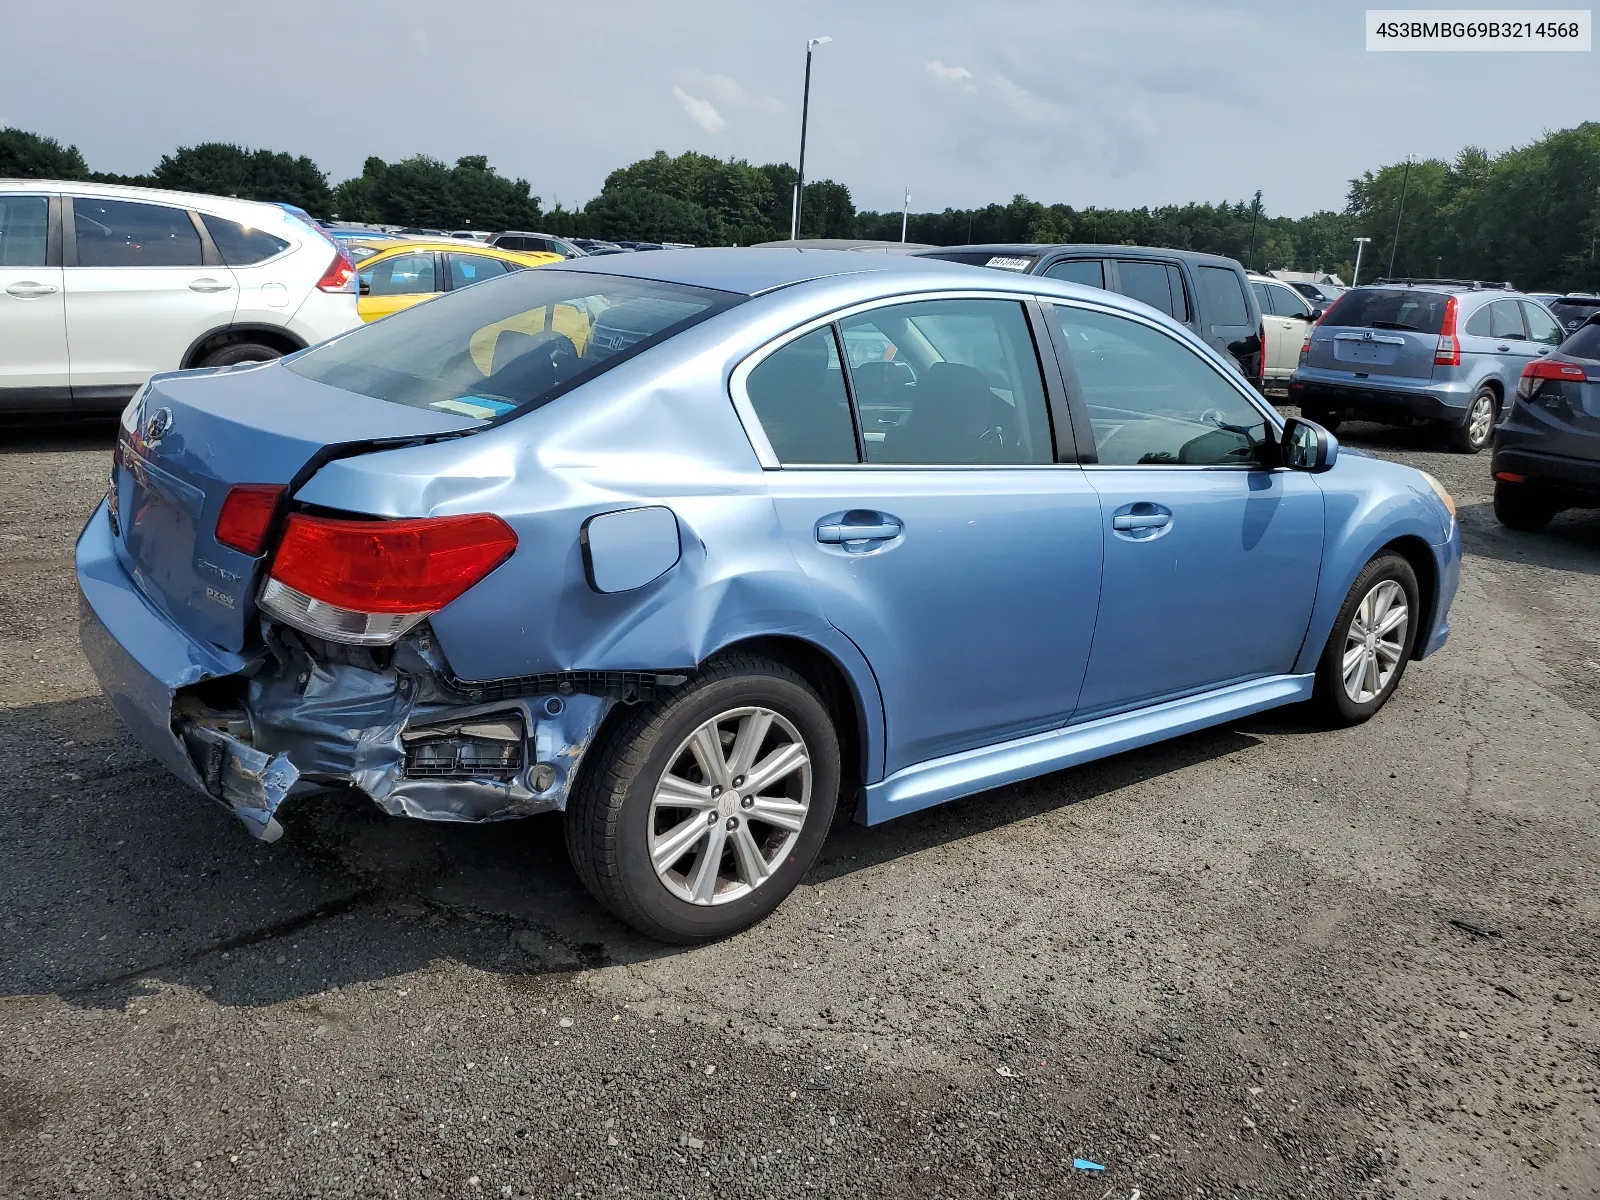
(474, 406)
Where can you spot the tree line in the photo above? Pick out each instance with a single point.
(1530, 214)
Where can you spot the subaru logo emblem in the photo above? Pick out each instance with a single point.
(158, 426)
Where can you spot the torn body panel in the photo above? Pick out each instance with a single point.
(250, 731)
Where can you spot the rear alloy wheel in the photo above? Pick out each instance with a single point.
(701, 812)
(1477, 428)
(1371, 641)
(1523, 506)
(240, 352)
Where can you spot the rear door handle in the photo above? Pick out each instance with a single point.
(209, 285)
(1142, 521)
(858, 529)
(27, 289)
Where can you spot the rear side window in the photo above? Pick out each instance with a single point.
(957, 382)
(124, 233)
(1090, 272)
(1505, 321)
(467, 269)
(1148, 282)
(799, 395)
(239, 245)
(1222, 296)
(24, 221)
(1585, 343)
(1386, 308)
(490, 351)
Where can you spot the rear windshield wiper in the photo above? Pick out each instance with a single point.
(1393, 325)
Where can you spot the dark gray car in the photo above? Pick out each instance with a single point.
(1207, 292)
(1547, 454)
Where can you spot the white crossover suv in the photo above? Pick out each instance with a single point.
(102, 286)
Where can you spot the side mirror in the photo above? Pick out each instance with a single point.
(366, 287)
(1307, 446)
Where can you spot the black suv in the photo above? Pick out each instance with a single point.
(1208, 293)
(1547, 453)
(1573, 311)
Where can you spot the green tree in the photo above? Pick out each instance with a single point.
(641, 215)
(424, 191)
(223, 169)
(25, 155)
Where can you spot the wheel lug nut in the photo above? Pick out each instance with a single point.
(746, 801)
(716, 789)
(711, 818)
(733, 822)
(739, 782)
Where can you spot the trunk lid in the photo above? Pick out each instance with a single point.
(1380, 332)
(191, 437)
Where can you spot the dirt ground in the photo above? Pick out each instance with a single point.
(1262, 961)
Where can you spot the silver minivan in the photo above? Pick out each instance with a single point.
(1405, 352)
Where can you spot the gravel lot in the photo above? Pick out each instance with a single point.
(1265, 960)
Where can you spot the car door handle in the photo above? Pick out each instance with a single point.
(838, 534)
(209, 285)
(27, 289)
(1503, 348)
(1129, 521)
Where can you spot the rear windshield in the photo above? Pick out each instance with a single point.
(508, 344)
(1573, 313)
(1381, 308)
(1585, 343)
(987, 258)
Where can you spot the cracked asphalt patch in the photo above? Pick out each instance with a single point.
(1265, 960)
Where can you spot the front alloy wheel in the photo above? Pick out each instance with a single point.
(1371, 642)
(1374, 642)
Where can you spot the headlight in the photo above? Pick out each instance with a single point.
(1445, 497)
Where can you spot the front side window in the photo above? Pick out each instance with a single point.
(956, 382)
(514, 344)
(1222, 294)
(240, 245)
(1147, 282)
(1542, 326)
(1286, 302)
(1505, 321)
(126, 233)
(799, 395)
(402, 275)
(24, 222)
(467, 269)
(1154, 401)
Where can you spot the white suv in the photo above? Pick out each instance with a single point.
(103, 286)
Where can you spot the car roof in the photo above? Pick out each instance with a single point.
(1451, 287)
(129, 191)
(752, 270)
(1098, 249)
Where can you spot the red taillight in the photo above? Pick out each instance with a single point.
(1510, 477)
(340, 275)
(1447, 353)
(367, 582)
(246, 516)
(1543, 369)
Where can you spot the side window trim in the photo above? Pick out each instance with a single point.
(849, 393)
(1058, 393)
(1080, 408)
(744, 408)
(69, 234)
(210, 256)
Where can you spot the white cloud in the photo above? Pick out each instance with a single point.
(729, 92)
(946, 74)
(702, 112)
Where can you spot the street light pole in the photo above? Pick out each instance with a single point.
(1361, 244)
(805, 112)
(905, 215)
(1395, 245)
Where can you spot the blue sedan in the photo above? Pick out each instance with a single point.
(706, 547)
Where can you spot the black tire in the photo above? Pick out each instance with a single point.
(1322, 417)
(608, 819)
(1330, 697)
(1523, 506)
(1471, 434)
(240, 352)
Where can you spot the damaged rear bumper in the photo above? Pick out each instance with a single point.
(252, 730)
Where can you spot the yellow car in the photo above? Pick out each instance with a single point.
(401, 274)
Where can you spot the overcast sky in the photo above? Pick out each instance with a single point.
(1121, 103)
